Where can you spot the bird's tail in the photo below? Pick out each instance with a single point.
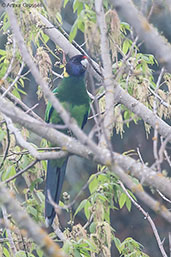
(54, 182)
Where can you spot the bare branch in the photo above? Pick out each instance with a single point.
(107, 73)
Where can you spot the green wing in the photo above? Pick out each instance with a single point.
(79, 111)
(49, 113)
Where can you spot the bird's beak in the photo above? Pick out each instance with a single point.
(84, 63)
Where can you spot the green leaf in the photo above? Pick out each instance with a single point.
(93, 184)
(59, 17)
(67, 246)
(90, 244)
(102, 177)
(23, 254)
(87, 209)
(127, 117)
(76, 253)
(107, 215)
(106, 4)
(45, 38)
(31, 210)
(41, 196)
(39, 252)
(44, 164)
(92, 228)
(4, 68)
(80, 8)
(6, 23)
(16, 94)
(128, 203)
(1, 59)
(81, 25)
(131, 194)
(65, 3)
(35, 182)
(126, 46)
(2, 134)
(8, 173)
(122, 200)
(73, 32)
(21, 91)
(2, 52)
(117, 243)
(21, 82)
(5, 252)
(77, 6)
(102, 197)
(80, 207)
(125, 26)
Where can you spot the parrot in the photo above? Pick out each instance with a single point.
(72, 94)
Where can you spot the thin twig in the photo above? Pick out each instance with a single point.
(170, 243)
(107, 74)
(20, 172)
(7, 147)
(24, 246)
(15, 81)
(19, 138)
(59, 233)
(159, 98)
(18, 102)
(27, 152)
(7, 226)
(147, 216)
(162, 150)
(164, 197)
(32, 108)
(140, 156)
(155, 137)
(81, 191)
(11, 62)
